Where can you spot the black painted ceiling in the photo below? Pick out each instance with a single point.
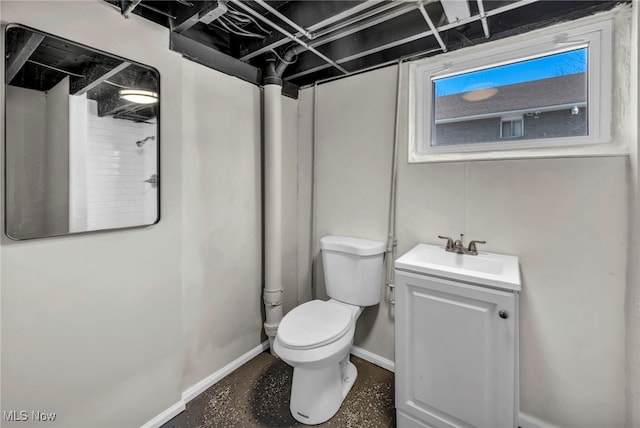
(39, 62)
(240, 43)
(332, 38)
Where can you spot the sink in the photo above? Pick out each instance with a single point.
(489, 269)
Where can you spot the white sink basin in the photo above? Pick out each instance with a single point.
(489, 269)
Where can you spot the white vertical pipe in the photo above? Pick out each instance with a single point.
(273, 209)
(392, 239)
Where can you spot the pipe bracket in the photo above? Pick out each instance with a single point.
(271, 329)
(273, 297)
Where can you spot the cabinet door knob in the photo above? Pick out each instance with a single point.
(503, 314)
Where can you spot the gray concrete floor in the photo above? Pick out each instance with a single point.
(257, 395)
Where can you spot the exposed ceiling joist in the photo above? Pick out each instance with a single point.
(132, 5)
(360, 7)
(21, 55)
(191, 16)
(349, 27)
(155, 9)
(325, 32)
(210, 14)
(393, 44)
(42, 61)
(340, 31)
(384, 12)
(287, 34)
(301, 30)
(94, 77)
(483, 19)
(432, 27)
(59, 70)
(340, 37)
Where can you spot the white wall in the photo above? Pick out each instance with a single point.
(305, 197)
(39, 157)
(353, 170)
(108, 329)
(633, 268)
(91, 324)
(56, 166)
(221, 220)
(26, 112)
(294, 289)
(566, 218)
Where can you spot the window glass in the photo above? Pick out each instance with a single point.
(512, 128)
(539, 98)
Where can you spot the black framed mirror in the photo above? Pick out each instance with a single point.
(81, 138)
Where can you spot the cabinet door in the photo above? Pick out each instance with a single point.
(455, 354)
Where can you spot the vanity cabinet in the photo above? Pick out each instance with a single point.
(456, 353)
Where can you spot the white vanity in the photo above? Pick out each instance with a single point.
(456, 339)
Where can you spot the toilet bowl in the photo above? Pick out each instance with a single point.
(316, 337)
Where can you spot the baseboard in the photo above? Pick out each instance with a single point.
(373, 358)
(197, 389)
(165, 416)
(525, 420)
(528, 421)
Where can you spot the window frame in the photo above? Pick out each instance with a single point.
(511, 120)
(597, 36)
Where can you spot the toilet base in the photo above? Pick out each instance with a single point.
(318, 392)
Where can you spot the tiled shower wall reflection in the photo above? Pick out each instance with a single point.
(108, 170)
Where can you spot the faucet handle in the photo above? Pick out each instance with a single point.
(450, 244)
(472, 247)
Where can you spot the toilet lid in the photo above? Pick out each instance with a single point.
(314, 324)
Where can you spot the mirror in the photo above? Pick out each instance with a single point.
(81, 138)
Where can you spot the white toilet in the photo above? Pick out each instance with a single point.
(316, 337)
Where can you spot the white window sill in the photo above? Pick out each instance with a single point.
(591, 150)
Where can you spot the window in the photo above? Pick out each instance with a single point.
(533, 93)
(511, 128)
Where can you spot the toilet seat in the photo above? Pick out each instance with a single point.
(314, 324)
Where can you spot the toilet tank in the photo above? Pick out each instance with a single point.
(353, 269)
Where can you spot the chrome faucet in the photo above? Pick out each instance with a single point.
(450, 246)
(458, 245)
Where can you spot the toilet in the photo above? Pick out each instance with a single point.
(316, 337)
